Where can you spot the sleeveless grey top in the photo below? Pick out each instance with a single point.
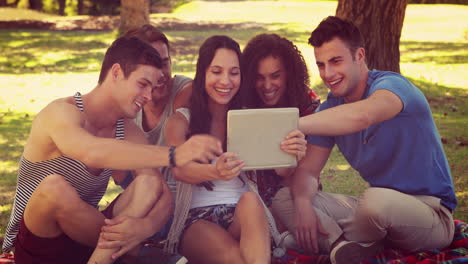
(156, 135)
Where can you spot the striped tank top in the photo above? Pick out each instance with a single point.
(90, 187)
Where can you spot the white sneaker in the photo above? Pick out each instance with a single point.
(351, 252)
(287, 240)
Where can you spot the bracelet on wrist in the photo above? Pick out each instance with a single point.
(172, 162)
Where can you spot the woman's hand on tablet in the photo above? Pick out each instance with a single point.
(295, 144)
(229, 166)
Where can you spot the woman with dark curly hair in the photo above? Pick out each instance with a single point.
(275, 75)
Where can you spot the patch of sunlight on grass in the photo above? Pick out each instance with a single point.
(309, 13)
(8, 166)
(452, 75)
(18, 43)
(5, 208)
(8, 13)
(309, 57)
(428, 23)
(439, 56)
(343, 167)
(32, 92)
(52, 57)
(422, 22)
(450, 121)
(462, 194)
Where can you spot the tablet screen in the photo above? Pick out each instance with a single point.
(255, 135)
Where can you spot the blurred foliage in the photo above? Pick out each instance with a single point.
(84, 7)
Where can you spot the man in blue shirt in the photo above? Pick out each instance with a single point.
(383, 126)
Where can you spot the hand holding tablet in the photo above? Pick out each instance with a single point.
(256, 134)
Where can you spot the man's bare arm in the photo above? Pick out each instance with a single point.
(349, 118)
(192, 172)
(65, 122)
(304, 187)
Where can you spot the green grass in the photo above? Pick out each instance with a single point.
(43, 51)
(7, 14)
(39, 66)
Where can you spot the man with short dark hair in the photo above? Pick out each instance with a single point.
(74, 146)
(172, 92)
(383, 126)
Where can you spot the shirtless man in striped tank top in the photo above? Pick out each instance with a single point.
(75, 145)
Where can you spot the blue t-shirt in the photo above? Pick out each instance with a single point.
(404, 153)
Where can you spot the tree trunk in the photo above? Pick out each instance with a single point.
(62, 4)
(380, 22)
(35, 5)
(133, 13)
(80, 7)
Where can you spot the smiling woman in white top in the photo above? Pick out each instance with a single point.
(216, 203)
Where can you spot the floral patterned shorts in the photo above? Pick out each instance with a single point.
(220, 214)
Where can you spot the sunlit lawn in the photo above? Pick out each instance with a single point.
(39, 66)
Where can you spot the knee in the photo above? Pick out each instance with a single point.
(250, 199)
(149, 184)
(375, 203)
(56, 193)
(56, 189)
(231, 253)
(282, 197)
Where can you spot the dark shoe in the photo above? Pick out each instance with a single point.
(350, 252)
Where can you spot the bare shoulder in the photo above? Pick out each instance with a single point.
(62, 108)
(176, 129)
(53, 118)
(183, 96)
(177, 120)
(59, 112)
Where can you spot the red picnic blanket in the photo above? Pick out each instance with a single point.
(456, 253)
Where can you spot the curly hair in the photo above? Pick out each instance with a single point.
(297, 83)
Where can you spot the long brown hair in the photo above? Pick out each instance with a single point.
(200, 116)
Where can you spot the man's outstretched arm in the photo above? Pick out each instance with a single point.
(64, 121)
(352, 117)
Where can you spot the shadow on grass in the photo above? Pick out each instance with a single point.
(35, 51)
(434, 52)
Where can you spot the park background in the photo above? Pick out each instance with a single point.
(44, 56)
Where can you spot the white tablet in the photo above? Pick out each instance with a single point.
(255, 135)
